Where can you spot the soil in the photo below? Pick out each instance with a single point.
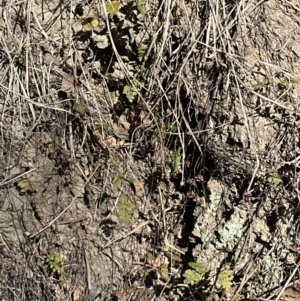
(153, 156)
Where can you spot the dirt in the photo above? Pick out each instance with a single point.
(153, 157)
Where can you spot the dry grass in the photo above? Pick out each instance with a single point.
(218, 87)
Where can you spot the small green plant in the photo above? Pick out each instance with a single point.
(24, 185)
(131, 91)
(112, 7)
(174, 254)
(142, 51)
(158, 111)
(114, 162)
(262, 85)
(198, 267)
(164, 272)
(284, 87)
(141, 5)
(157, 25)
(97, 164)
(176, 160)
(142, 70)
(79, 107)
(125, 208)
(56, 261)
(90, 23)
(191, 277)
(194, 275)
(274, 179)
(120, 179)
(164, 130)
(225, 277)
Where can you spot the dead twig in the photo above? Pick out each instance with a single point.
(54, 220)
(136, 229)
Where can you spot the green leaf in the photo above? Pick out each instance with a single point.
(89, 23)
(274, 180)
(24, 185)
(226, 277)
(141, 5)
(120, 179)
(112, 7)
(191, 277)
(176, 160)
(143, 70)
(164, 130)
(142, 51)
(131, 91)
(56, 261)
(164, 272)
(198, 267)
(125, 210)
(286, 97)
(79, 107)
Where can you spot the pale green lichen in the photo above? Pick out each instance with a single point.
(206, 214)
(232, 232)
(217, 236)
(238, 237)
